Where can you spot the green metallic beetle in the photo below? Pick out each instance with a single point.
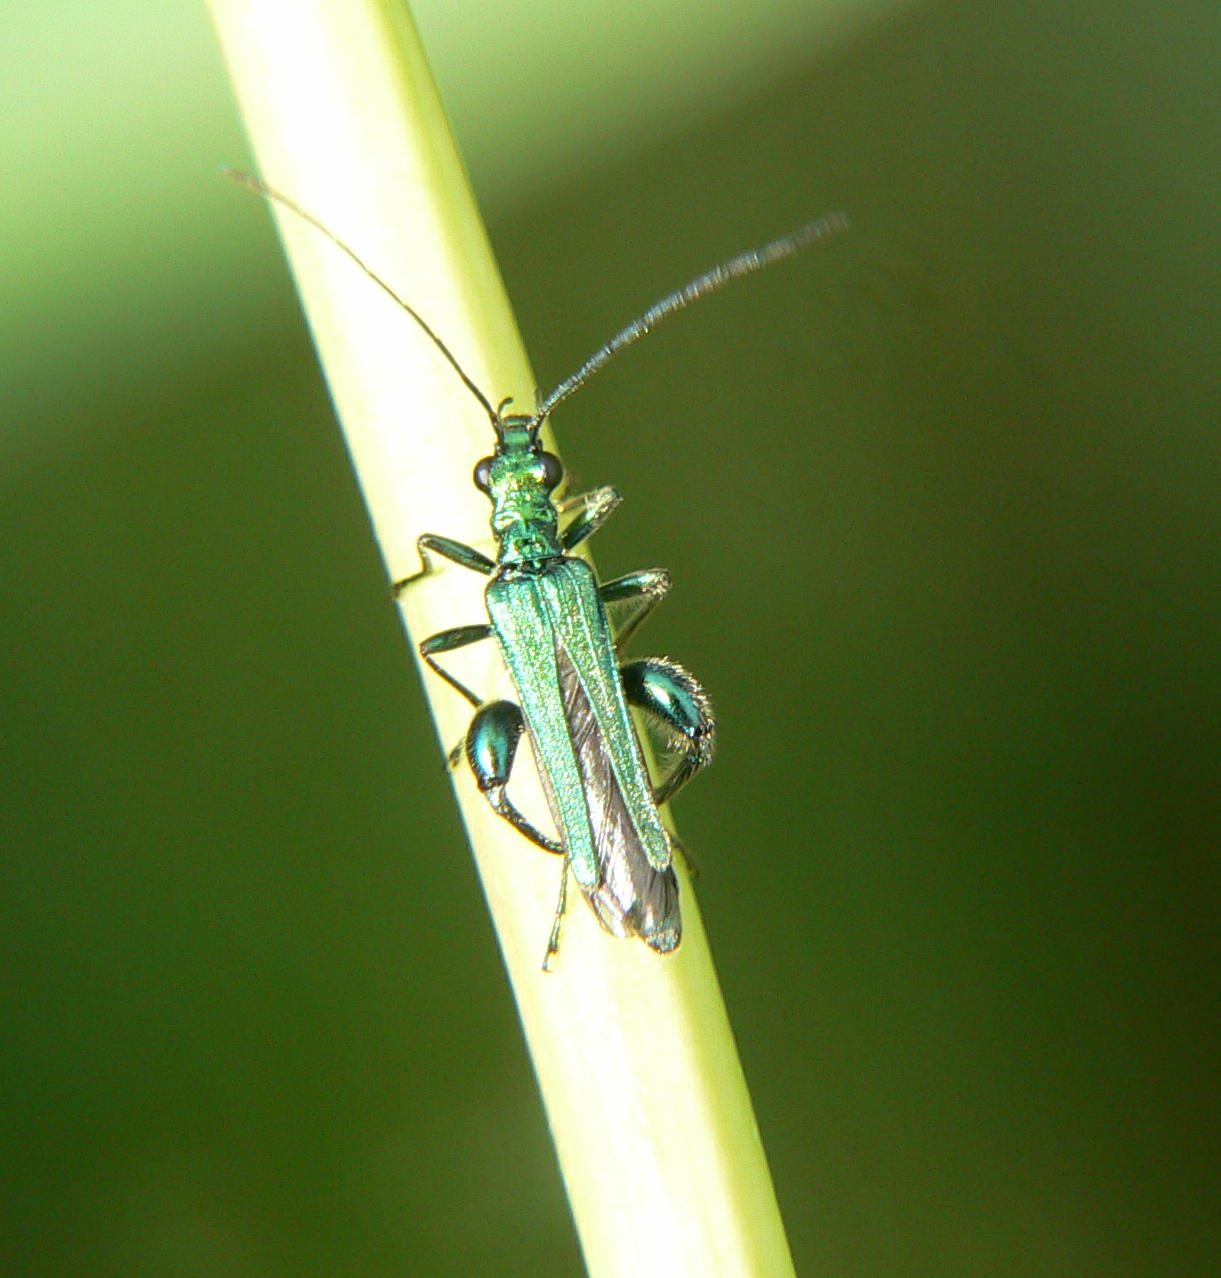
(549, 616)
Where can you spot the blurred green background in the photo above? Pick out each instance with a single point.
(942, 502)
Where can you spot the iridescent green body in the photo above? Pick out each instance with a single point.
(547, 620)
(548, 614)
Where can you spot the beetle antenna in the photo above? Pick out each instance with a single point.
(278, 197)
(744, 264)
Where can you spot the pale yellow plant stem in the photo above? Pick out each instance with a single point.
(633, 1051)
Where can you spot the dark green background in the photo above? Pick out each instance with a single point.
(941, 501)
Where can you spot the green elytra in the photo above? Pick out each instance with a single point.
(549, 616)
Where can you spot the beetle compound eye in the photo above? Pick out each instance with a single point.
(483, 474)
(553, 472)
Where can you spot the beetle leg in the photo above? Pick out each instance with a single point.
(553, 941)
(449, 641)
(672, 697)
(491, 745)
(455, 551)
(593, 510)
(629, 600)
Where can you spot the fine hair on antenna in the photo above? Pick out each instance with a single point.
(709, 282)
